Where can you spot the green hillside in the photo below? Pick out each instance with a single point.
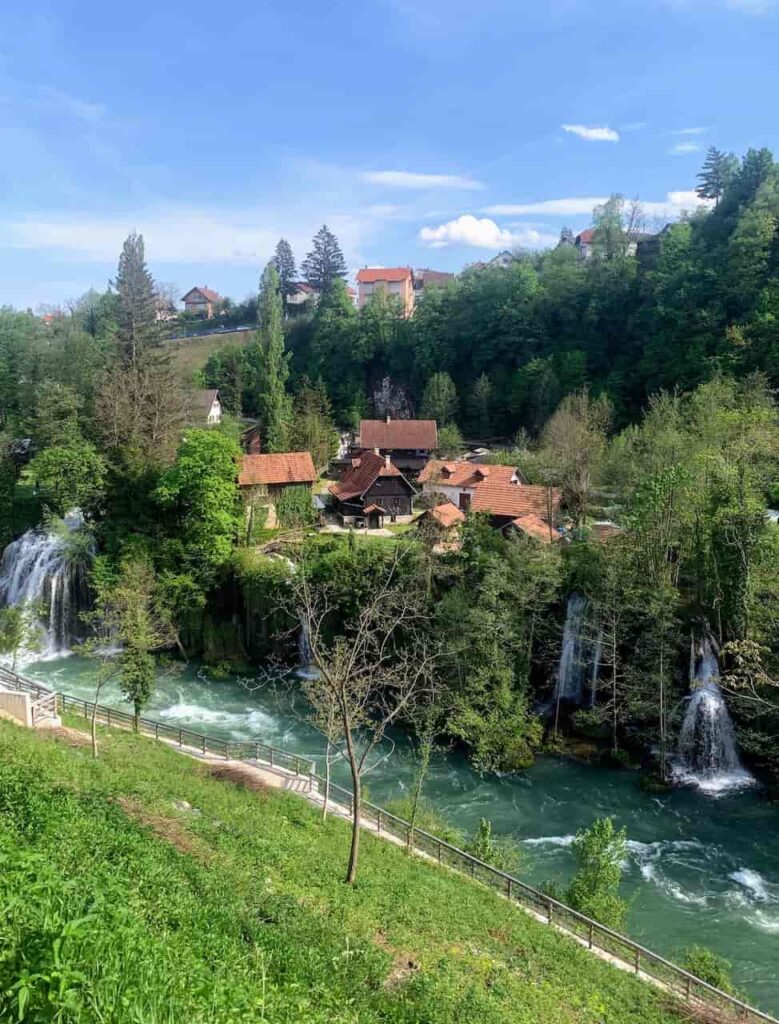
(190, 354)
(138, 888)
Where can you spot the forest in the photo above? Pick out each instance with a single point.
(642, 385)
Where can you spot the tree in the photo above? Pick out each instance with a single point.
(226, 370)
(313, 429)
(439, 401)
(480, 407)
(57, 411)
(20, 630)
(325, 262)
(199, 495)
(450, 441)
(709, 967)
(137, 314)
(718, 171)
(575, 442)
(272, 365)
(284, 262)
(372, 672)
(594, 889)
(72, 475)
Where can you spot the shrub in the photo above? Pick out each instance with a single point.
(594, 890)
(709, 967)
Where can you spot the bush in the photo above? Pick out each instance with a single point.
(295, 507)
(594, 891)
(709, 967)
(502, 853)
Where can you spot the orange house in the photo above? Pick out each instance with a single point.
(397, 281)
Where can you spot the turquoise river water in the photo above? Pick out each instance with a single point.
(700, 869)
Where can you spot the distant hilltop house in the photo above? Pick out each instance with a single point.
(503, 260)
(498, 491)
(409, 443)
(202, 301)
(263, 479)
(640, 244)
(371, 489)
(305, 297)
(403, 283)
(207, 407)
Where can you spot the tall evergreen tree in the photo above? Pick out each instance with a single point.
(284, 262)
(274, 407)
(439, 401)
(138, 327)
(325, 262)
(717, 173)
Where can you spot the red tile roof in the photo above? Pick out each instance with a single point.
(364, 472)
(207, 293)
(375, 508)
(464, 474)
(282, 468)
(446, 514)
(373, 275)
(586, 236)
(513, 499)
(400, 434)
(534, 526)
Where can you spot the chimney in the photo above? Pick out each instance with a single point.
(387, 462)
(376, 451)
(388, 417)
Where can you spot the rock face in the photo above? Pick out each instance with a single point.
(391, 400)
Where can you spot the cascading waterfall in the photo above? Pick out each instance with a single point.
(306, 667)
(569, 685)
(35, 570)
(708, 756)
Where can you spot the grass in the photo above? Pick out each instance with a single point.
(139, 888)
(191, 354)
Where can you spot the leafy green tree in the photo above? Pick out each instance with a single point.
(504, 853)
(284, 262)
(450, 441)
(200, 498)
(273, 403)
(313, 429)
(20, 631)
(594, 891)
(226, 369)
(716, 174)
(57, 411)
(72, 475)
(480, 407)
(335, 355)
(325, 262)
(137, 312)
(575, 442)
(709, 967)
(439, 401)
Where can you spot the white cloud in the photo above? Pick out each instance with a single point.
(680, 148)
(690, 131)
(571, 207)
(592, 134)
(480, 233)
(413, 179)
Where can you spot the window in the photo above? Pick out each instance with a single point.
(465, 501)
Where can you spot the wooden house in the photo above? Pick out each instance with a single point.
(264, 478)
(371, 490)
(409, 443)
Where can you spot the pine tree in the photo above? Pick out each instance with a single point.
(325, 262)
(566, 237)
(480, 407)
(273, 403)
(717, 172)
(284, 262)
(439, 401)
(138, 327)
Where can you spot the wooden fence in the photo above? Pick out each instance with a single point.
(716, 1004)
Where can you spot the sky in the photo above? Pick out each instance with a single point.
(429, 133)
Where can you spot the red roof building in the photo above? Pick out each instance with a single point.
(395, 282)
(277, 470)
(372, 488)
(202, 301)
(418, 437)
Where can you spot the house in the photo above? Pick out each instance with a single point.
(424, 278)
(201, 301)
(207, 407)
(395, 281)
(583, 243)
(510, 503)
(440, 525)
(371, 489)
(633, 243)
(408, 442)
(535, 527)
(502, 260)
(264, 478)
(457, 481)
(304, 297)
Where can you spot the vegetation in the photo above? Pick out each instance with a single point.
(601, 850)
(137, 887)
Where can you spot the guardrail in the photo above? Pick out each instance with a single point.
(629, 954)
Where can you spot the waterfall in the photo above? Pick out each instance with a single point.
(35, 570)
(569, 685)
(306, 667)
(708, 756)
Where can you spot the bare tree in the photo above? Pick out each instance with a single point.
(368, 677)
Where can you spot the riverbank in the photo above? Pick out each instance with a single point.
(700, 869)
(223, 903)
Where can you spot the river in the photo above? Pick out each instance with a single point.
(700, 869)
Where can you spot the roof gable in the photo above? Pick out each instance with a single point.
(375, 275)
(363, 474)
(200, 291)
(466, 474)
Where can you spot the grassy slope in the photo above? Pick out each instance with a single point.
(238, 913)
(191, 354)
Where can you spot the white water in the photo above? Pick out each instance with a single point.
(708, 756)
(306, 667)
(569, 685)
(35, 572)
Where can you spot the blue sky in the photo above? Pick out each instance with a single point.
(427, 132)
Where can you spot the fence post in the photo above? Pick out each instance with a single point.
(86, 715)
(688, 991)
(156, 730)
(549, 911)
(181, 738)
(271, 756)
(638, 959)
(440, 852)
(473, 868)
(591, 930)
(378, 822)
(256, 751)
(204, 744)
(108, 716)
(508, 888)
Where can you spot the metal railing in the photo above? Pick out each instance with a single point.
(629, 954)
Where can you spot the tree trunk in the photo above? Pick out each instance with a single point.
(354, 850)
(424, 764)
(326, 796)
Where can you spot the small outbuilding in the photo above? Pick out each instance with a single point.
(264, 479)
